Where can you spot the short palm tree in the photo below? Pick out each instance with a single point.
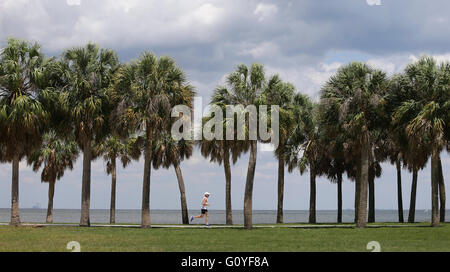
(168, 152)
(333, 166)
(113, 148)
(86, 73)
(55, 156)
(356, 95)
(442, 196)
(145, 91)
(23, 118)
(281, 94)
(374, 172)
(303, 148)
(223, 152)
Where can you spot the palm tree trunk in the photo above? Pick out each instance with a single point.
(15, 216)
(51, 194)
(146, 182)
(441, 192)
(364, 180)
(339, 197)
(312, 195)
(184, 209)
(280, 189)
(112, 209)
(86, 185)
(371, 217)
(248, 197)
(357, 189)
(435, 189)
(399, 192)
(227, 169)
(412, 205)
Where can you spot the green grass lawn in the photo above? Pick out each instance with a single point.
(55, 238)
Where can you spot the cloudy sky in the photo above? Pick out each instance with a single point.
(304, 41)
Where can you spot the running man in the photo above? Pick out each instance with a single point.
(204, 210)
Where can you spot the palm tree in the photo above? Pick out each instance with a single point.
(168, 152)
(425, 116)
(442, 197)
(281, 94)
(333, 166)
(396, 157)
(374, 172)
(55, 155)
(245, 87)
(145, 90)
(23, 118)
(303, 146)
(335, 172)
(87, 73)
(114, 148)
(393, 151)
(356, 94)
(334, 163)
(416, 159)
(395, 142)
(226, 152)
(398, 145)
(430, 123)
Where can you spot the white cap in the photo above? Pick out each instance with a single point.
(207, 193)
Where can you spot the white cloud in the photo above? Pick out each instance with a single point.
(112, 22)
(73, 2)
(307, 79)
(374, 2)
(206, 14)
(11, 4)
(265, 49)
(265, 11)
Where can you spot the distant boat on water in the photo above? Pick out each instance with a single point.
(36, 206)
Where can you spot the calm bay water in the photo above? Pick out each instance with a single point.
(216, 216)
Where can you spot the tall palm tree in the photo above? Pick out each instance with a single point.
(23, 118)
(245, 87)
(427, 116)
(433, 117)
(56, 155)
(113, 148)
(168, 152)
(281, 94)
(356, 94)
(87, 73)
(145, 90)
(398, 145)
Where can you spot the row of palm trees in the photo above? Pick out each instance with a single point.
(50, 108)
